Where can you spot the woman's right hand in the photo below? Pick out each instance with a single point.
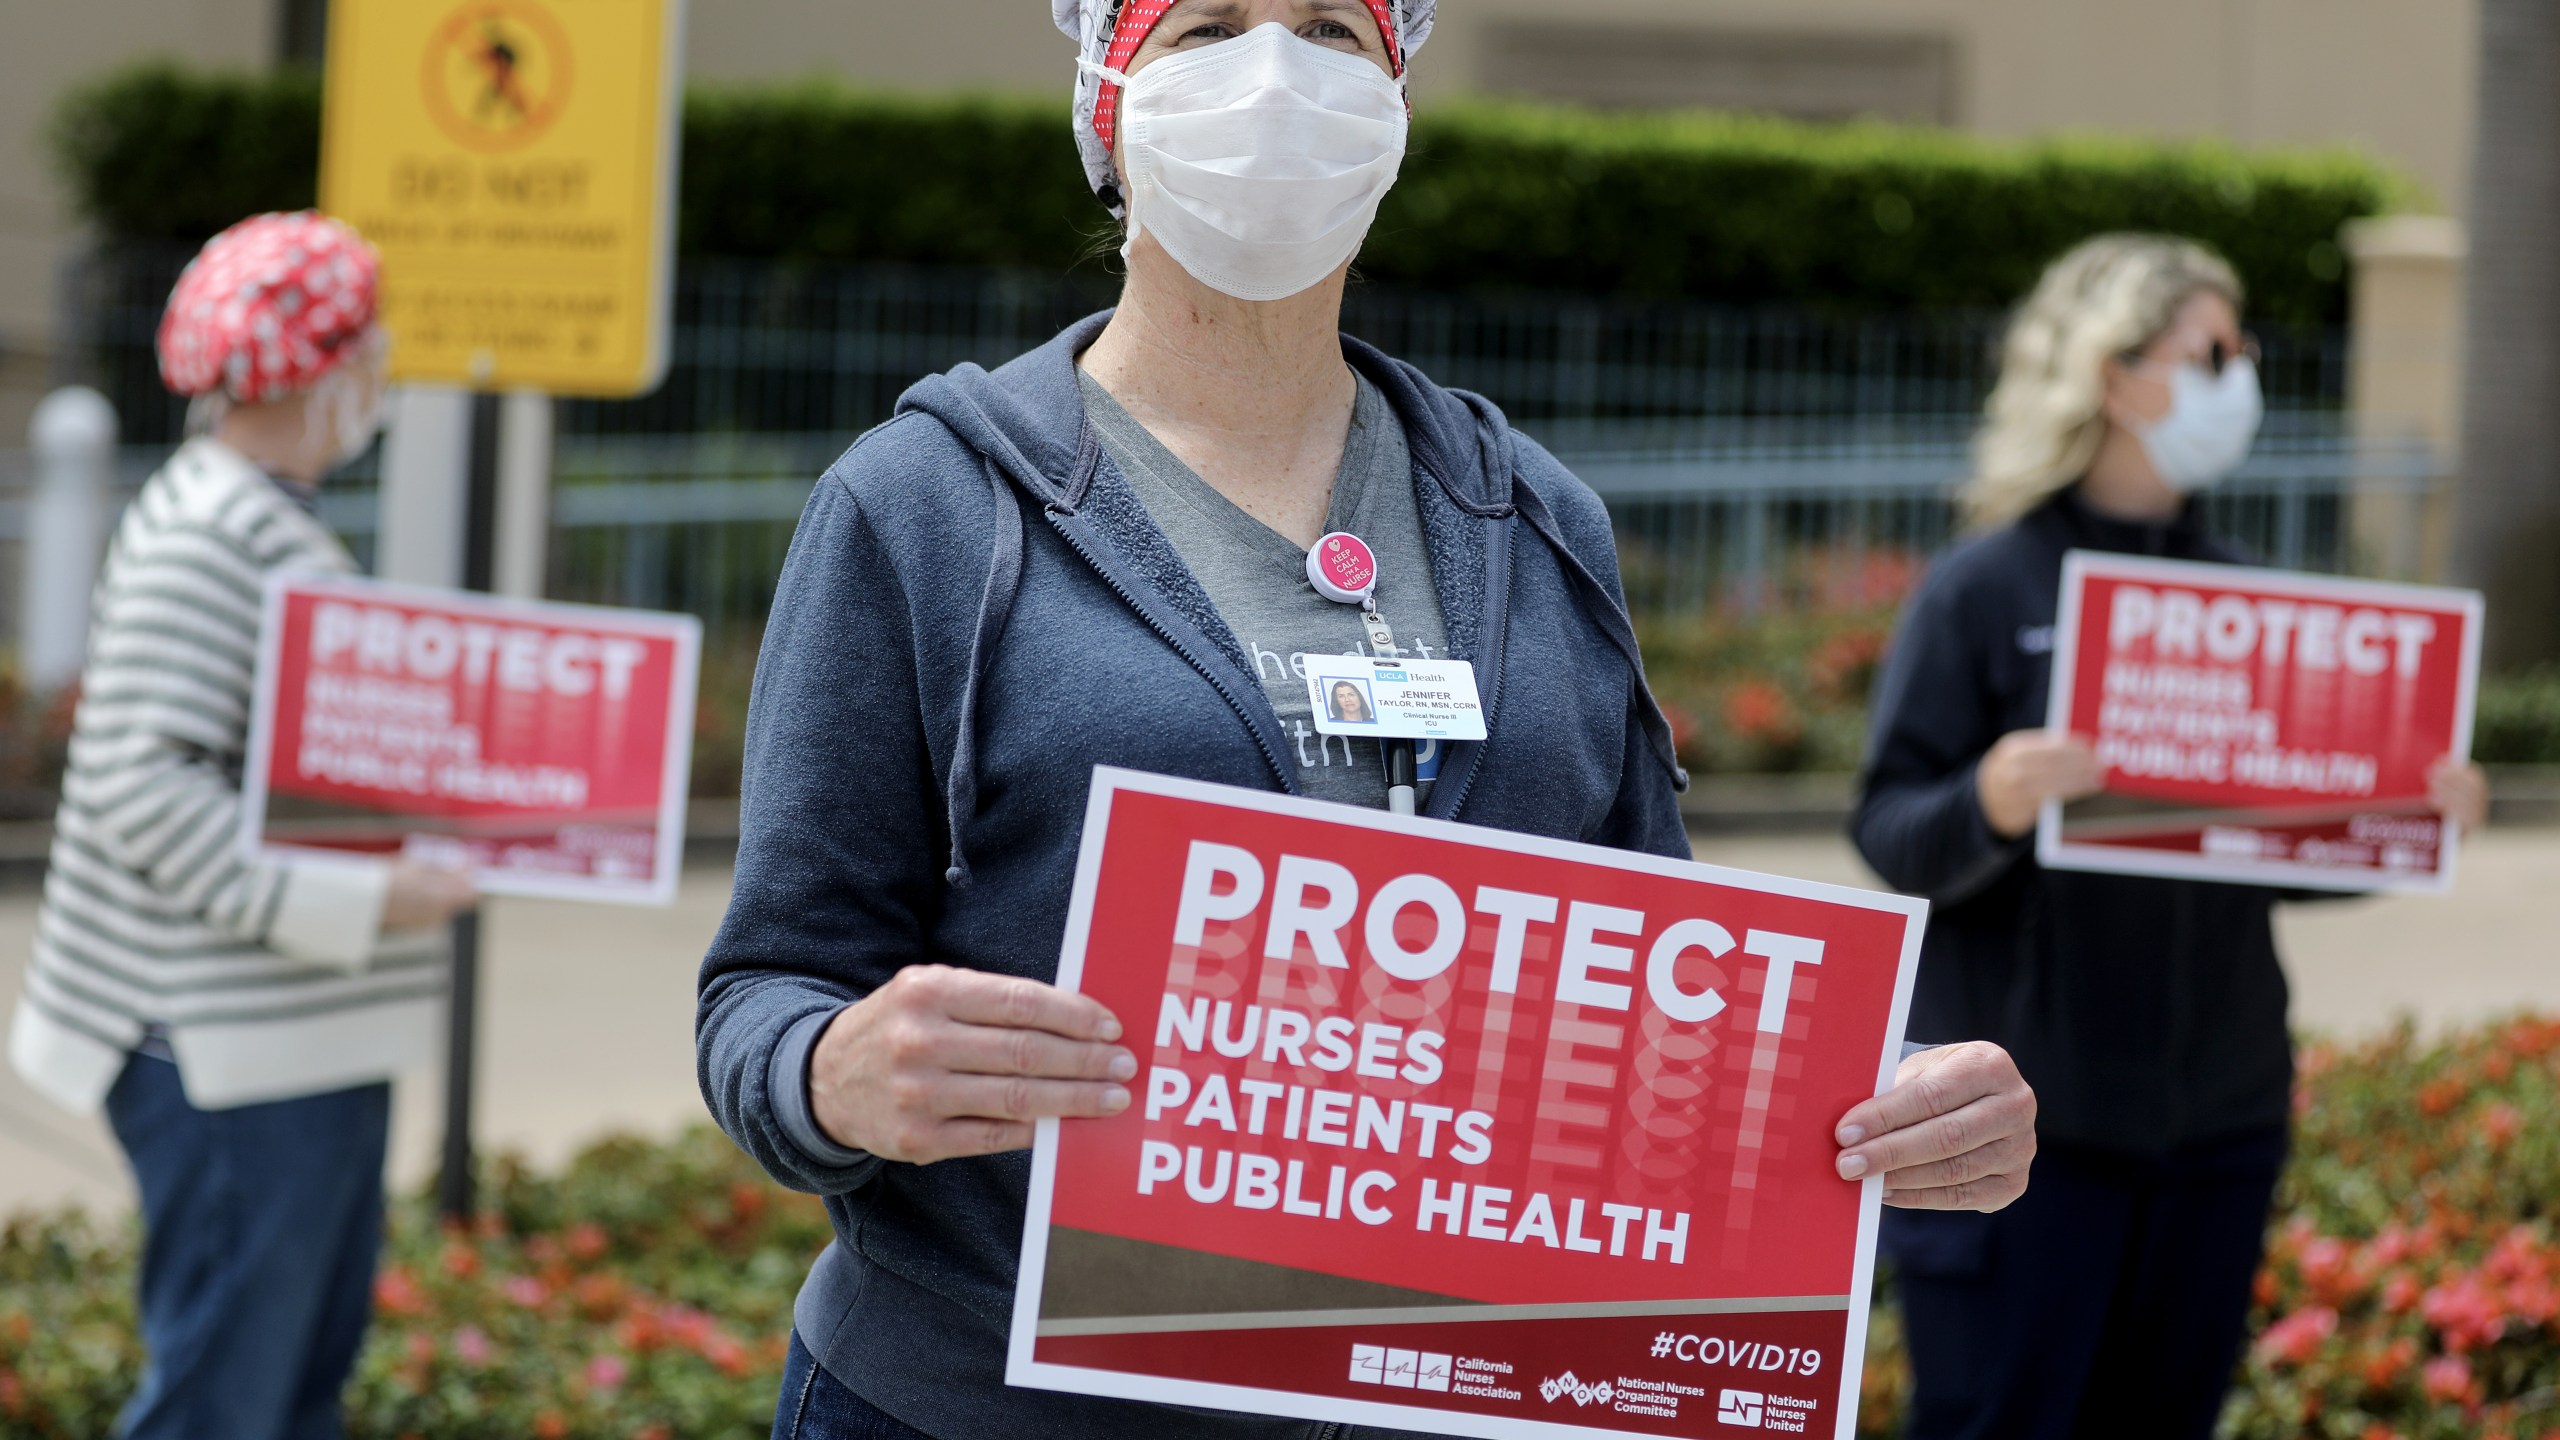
(942, 1063)
(2028, 768)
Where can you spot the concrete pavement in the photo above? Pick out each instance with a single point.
(588, 1010)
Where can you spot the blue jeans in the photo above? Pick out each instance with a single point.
(816, 1406)
(260, 1228)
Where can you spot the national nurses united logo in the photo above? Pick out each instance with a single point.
(497, 72)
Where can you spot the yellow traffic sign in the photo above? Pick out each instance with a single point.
(515, 162)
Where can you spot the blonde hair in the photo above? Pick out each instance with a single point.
(2109, 296)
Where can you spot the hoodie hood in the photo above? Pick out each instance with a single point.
(1027, 418)
(1027, 424)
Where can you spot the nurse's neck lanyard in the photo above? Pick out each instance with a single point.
(1344, 570)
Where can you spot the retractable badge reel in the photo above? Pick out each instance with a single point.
(1344, 569)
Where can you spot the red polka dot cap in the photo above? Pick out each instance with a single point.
(1109, 32)
(268, 307)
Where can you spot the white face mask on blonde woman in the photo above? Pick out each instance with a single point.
(2212, 421)
(1259, 163)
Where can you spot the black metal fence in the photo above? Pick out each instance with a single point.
(781, 349)
(1745, 453)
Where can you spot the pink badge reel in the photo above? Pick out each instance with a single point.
(1342, 569)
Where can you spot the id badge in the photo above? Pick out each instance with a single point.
(1395, 699)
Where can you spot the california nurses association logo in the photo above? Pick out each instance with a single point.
(497, 73)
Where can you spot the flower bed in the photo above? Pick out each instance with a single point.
(644, 1293)
(2412, 1291)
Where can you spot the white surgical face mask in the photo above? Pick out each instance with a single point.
(2212, 422)
(1258, 163)
(346, 403)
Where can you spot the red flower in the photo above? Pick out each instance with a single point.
(2387, 1369)
(2502, 1123)
(729, 1357)
(460, 1260)
(607, 1372)
(587, 1241)
(1759, 710)
(2448, 1378)
(2439, 1096)
(549, 1426)
(2465, 1312)
(2297, 1337)
(602, 1297)
(396, 1292)
(2324, 1267)
(1844, 666)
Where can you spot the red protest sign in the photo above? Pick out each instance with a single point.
(1457, 1130)
(545, 747)
(2258, 726)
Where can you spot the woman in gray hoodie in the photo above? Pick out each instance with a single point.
(1135, 503)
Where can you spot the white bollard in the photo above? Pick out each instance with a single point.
(426, 483)
(523, 538)
(74, 437)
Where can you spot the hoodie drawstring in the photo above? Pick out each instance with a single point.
(995, 607)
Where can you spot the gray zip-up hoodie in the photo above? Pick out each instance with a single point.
(924, 728)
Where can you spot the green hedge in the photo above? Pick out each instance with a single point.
(2519, 719)
(1703, 206)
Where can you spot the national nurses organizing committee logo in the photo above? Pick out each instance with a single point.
(1580, 1392)
(497, 73)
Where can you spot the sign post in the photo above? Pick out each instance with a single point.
(2260, 727)
(514, 161)
(1449, 1129)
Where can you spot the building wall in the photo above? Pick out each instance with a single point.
(2391, 76)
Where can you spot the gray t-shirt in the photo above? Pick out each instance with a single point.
(1257, 577)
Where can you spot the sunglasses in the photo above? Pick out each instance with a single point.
(2215, 360)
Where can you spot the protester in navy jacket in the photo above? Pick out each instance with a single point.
(2149, 1014)
(982, 587)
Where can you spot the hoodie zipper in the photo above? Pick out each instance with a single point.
(1497, 644)
(1288, 779)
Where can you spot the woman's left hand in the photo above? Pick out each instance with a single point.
(2460, 792)
(1956, 1132)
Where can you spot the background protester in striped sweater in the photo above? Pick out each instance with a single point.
(239, 1018)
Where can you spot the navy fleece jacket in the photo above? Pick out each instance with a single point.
(922, 736)
(2149, 1014)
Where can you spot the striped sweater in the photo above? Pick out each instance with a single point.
(271, 980)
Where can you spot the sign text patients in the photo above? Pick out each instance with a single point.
(1311, 906)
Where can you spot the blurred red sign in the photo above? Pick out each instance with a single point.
(1451, 1129)
(544, 747)
(2258, 726)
